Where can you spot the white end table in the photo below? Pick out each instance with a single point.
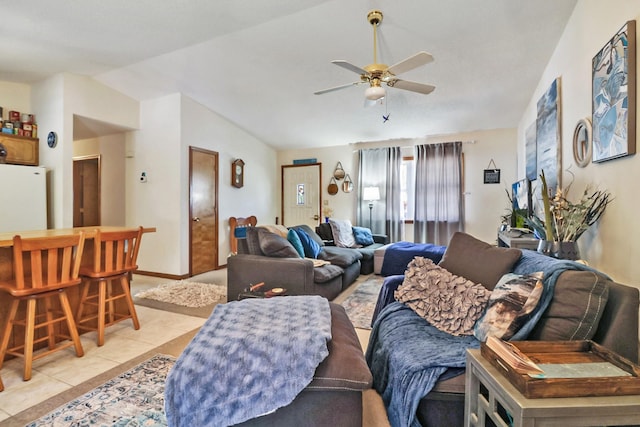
(490, 395)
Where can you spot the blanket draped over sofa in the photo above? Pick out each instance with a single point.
(250, 357)
(406, 355)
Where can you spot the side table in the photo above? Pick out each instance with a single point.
(491, 400)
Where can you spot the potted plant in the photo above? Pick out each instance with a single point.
(565, 221)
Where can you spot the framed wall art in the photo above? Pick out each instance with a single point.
(548, 135)
(531, 156)
(614, 96)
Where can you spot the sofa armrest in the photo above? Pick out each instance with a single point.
(293, 274)
(381, 238)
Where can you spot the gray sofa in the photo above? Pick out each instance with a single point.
(575, 311)
(264, 257)
(366, 263)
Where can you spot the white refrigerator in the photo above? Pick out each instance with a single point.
(23, 198)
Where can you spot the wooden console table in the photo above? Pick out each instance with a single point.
(490, 396)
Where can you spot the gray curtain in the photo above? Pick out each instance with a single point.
(439, 208)
(380, 167)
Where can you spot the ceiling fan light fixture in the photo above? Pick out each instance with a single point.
(374, 93)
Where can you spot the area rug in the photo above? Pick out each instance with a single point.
(186, 294)
(134, 398)
(362, 302)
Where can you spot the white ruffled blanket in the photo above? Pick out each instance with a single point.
(250, 358)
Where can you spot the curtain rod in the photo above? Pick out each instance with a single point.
(473, 141)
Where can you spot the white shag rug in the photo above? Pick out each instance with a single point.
(186, 294)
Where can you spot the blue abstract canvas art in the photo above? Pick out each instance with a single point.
(613, 96)
(548, 135)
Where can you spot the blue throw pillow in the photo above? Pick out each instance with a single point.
(310, 246)
(363, 236)
(294, 239)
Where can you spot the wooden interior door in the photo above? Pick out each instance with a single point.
(301, 195)
(203, 210)
(86, 191)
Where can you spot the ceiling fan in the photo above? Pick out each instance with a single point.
(376, 74)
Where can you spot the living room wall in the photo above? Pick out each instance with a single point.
(612, 243)
(484, 203)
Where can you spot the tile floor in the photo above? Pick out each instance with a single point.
(63, 370)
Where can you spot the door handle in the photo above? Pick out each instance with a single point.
(316, 217)
(195, 219)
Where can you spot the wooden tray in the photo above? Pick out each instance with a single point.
(564, 352)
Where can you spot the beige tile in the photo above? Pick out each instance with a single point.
(76, 370)
(4, 415)
(19, 395)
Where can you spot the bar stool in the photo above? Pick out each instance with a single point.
(114, 259)
(43, 269)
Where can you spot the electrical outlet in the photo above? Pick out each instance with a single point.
(143, 177)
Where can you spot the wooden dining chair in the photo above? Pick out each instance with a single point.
(43, 270)
(238, 229)
(115, 254)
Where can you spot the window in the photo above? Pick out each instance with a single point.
(407, 180)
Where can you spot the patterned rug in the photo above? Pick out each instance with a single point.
(362, 302)
(134, 398)
(186, 294)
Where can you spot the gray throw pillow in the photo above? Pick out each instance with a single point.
(478, 261)
(579, 299)
(274, 245)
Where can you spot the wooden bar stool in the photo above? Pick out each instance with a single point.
(114, 259)
(43, 269)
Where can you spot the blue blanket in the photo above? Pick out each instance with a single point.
(250, 358)
(398, 255)
(407, 355)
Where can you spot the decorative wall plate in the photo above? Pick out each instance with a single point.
(338, 173)
(582, 146)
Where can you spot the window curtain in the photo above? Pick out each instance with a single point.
(439, 208)
(380, 167)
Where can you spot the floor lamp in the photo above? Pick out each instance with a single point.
(371, 194)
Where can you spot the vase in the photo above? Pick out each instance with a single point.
(560, 250)
(326, 219)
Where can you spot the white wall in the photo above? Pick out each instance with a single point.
(612, 244)
(484, 203)
(203, 128)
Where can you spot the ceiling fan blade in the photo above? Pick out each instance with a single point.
(412, 86)
(415, 61)
(350, 67)
(331, 89)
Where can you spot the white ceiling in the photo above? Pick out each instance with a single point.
(257, 63)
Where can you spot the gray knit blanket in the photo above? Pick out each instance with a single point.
(250, 358)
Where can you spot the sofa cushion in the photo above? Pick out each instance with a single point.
(478, 261)
(281, 230)
(343, 257)
(324, 231)
(345, 368)
(294, 239)
(311, 247)
(362, 236)
(326, 272)
(578, 302)
(253, 241)
(511, 302)
(342, 231)
(450, 303)
(274, 245)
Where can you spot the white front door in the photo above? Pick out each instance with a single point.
(301, 195)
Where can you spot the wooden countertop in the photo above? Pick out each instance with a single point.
(6, 239)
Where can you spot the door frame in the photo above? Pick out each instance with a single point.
(319, 187)
(216, 264)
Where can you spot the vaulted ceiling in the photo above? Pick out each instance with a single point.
(258, 63)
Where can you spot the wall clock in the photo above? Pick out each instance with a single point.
(237, 173)
(52, 139)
